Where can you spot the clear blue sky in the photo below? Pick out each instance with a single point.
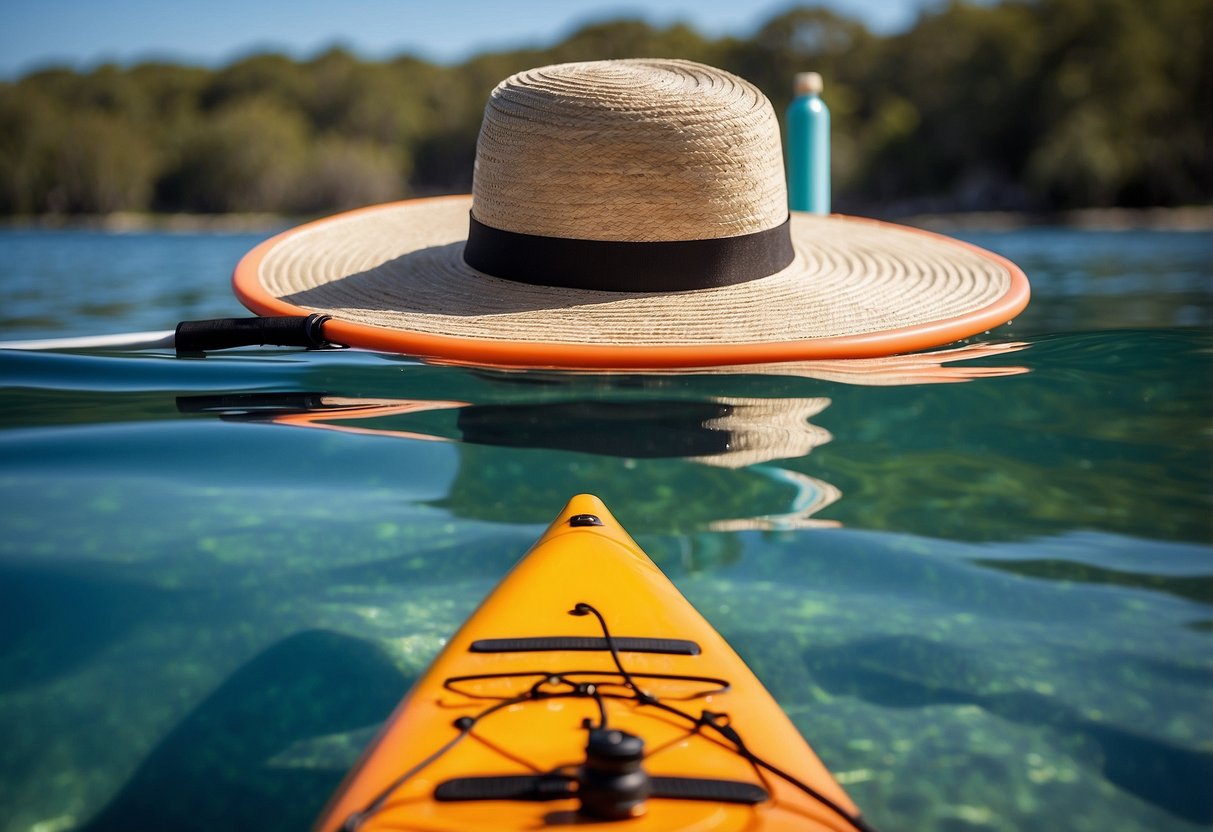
(84, 33)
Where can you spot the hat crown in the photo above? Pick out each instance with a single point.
(629, 150)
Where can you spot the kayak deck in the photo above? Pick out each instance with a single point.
(586, 642)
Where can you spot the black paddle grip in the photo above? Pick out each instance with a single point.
(224, 333)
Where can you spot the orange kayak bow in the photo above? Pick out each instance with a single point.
(587, 690)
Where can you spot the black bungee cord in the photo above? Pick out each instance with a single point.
(465, 724)
(719, 722)
(587, 609)
(725, 729)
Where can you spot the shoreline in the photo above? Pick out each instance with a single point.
(1188, 218)
(124, 222)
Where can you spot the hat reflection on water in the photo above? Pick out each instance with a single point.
(628, 214)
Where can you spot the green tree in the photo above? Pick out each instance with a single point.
(1023, 103)
(29, 127)
(101, 164)
(82, 161)
(818, 40)
(341, 173)
(634, 39)
(269, 77)
(964, 73)
(1123, 97)
(249, 156)
(171, 96)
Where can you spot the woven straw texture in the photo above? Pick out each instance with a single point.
(761, 430)
(633, 151)
(401, 267)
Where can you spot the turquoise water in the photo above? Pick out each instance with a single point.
(988, 604)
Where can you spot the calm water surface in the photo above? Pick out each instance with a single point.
(981, 583)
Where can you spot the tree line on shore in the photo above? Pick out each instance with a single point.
(1033, 105)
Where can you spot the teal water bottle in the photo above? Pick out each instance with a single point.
(808, 121)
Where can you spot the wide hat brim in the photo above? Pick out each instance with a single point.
(393, 278)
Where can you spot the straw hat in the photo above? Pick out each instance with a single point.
(627, 214)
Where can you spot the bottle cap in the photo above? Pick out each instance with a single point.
(808, 83)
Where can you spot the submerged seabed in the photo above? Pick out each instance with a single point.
(987, 603)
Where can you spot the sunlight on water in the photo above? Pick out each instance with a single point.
(980, 583)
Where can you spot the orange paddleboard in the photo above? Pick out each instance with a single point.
(586, 690)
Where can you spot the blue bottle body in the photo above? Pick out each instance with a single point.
(808, 154)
